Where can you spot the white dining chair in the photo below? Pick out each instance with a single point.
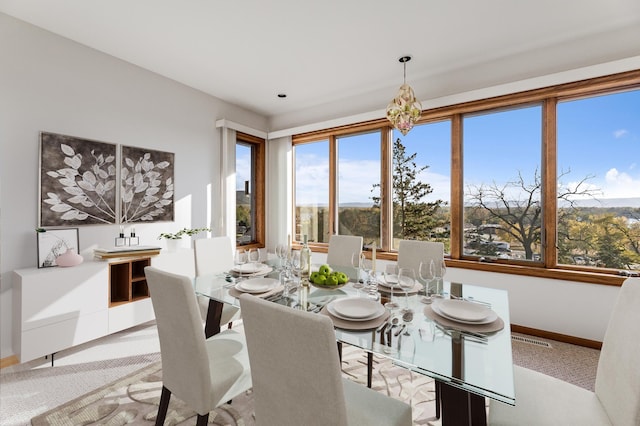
(215, 256)
(296, 372)
(341, 249)
(412, 252)
(544, 400)
(204, 373)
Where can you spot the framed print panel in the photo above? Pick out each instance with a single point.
(146, 178)
(77, 181)
(54, 242)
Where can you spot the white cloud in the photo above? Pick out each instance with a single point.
(620, 133)
(620, 184)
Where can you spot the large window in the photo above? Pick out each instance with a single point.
(421, 183)
(249, 190)
(599, 181)
(544, 182)
(359, 186)
(502, 183)
(312, 191)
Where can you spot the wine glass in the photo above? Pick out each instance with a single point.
(440, 270)
(390, 276)
(240, 259)
(254, 258)
(427, 274)
(406, 281)
(356, 262)
(294, 261)
(281, 253)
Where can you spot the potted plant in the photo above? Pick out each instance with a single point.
(173, 239)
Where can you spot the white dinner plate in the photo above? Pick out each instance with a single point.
(489, 316)
(356, 308)
(251, 268)
(257, 285)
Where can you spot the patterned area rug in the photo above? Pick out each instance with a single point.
(134, 399)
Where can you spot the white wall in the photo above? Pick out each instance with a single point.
(48, 83)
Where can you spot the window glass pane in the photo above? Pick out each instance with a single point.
(502, 184)
(358, 185)
(312, 191)
(422, 183)
(245, 211)
(599, 181)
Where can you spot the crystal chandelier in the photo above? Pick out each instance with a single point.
(404, 110)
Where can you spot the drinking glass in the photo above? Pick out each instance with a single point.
(390, 276)
(439, 275)
(254, 257)
(240, 259)
(406, 281)
(281, 253)
(371, 283)
(294, 261)
(357, 264)
(286, 280)
(427, 274)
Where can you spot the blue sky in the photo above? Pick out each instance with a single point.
(597, 137)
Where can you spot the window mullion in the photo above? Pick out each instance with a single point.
(457, 201)
(549, 184)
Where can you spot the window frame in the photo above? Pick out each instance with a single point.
(548, 97)
(258, 159)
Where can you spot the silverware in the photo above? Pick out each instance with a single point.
(471, 299)
(400, 330)
(382, 326)
(467, 335)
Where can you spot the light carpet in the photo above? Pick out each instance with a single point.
(135, 398)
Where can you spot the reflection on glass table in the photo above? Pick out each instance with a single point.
(468, 365)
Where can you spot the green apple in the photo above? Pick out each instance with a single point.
(313, 276)
(342, 278)
(320, 279)
(325, 269)
(332, 280)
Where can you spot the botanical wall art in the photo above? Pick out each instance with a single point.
(77, 181)
(146, 193)
(55, 242)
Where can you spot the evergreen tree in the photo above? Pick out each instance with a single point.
(413, 218)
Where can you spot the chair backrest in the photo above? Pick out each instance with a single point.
(185, 363)
(618, 378)
(213, 255)
(341, 248)
(295, 367)
(412, 252)
(180, 262)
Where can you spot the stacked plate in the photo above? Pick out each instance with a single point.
(255, 269)
(257, 285)
(356, 309)
(464, 312)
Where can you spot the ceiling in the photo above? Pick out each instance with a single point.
(336, 58)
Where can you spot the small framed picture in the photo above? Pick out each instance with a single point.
(54, 242)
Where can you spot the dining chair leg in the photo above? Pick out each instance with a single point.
(202, 420)
(165, 396)
(437, 386)
(369, 368)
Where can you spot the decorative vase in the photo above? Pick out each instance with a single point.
(69, 258)
(173, 245)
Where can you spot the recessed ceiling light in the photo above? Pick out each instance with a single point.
(282, 95)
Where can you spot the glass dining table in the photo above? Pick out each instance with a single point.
(467, 366)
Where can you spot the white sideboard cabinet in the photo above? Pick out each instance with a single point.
(57, 308)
